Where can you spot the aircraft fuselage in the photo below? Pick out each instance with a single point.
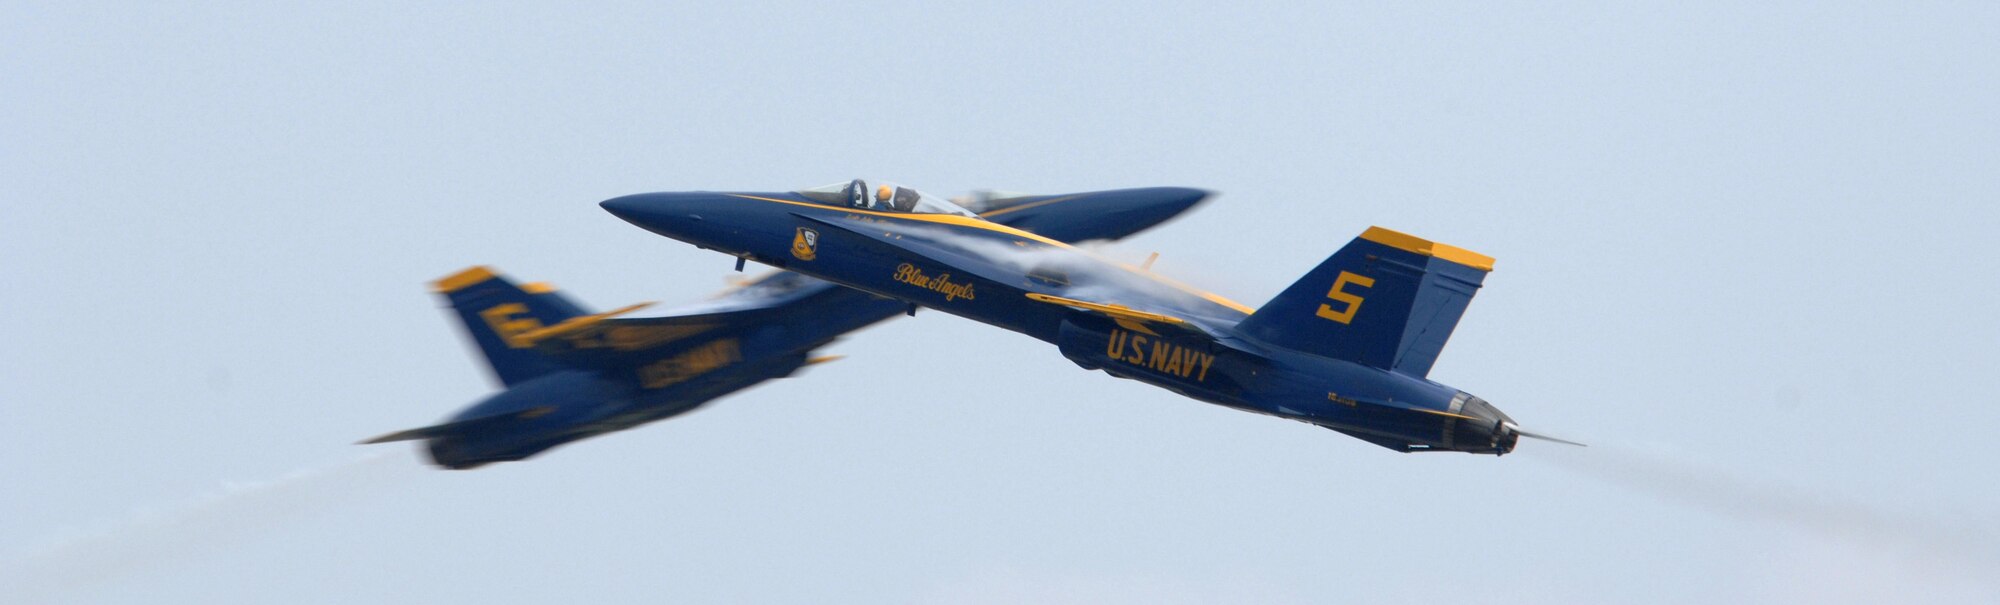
(994, 274)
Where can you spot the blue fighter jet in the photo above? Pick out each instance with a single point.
(1348, 347)
(570, 374)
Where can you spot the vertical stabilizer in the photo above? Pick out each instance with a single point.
(1387, 300)
(497, 314)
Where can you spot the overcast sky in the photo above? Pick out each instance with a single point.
(1744, 252)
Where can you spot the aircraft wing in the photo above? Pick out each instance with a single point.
(1091, 215)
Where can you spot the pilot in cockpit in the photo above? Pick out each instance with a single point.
(884, 197)
(895, 199)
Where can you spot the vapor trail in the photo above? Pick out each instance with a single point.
(1961, 546)
(153, 539)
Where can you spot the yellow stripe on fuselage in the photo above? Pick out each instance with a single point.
(1411, 243)
(978, 223)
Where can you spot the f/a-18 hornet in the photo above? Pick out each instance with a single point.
(1348, 347)
(569, 374)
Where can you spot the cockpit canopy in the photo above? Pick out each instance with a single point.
(881, 196)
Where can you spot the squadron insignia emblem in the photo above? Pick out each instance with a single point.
(805, 245)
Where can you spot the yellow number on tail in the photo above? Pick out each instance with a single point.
(503, 319)
(1353, 301)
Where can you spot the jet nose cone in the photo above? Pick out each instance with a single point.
(675, 215)
(734, 223)
(624, 207)
(645, 208)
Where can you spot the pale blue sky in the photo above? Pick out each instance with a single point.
(1744, 251)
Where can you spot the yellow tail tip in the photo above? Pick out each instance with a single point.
(463, 279)
(1405, 241)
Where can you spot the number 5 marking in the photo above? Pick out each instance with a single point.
(1353, 302)
(503, 319)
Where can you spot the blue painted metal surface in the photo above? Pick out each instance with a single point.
(1348, 347)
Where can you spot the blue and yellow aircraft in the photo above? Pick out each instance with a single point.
(571, 374)
(1348, 347)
